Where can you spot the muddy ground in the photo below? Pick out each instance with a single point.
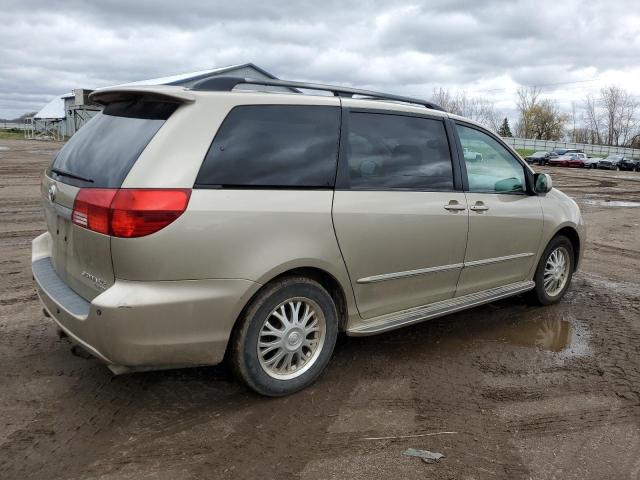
(519, 392)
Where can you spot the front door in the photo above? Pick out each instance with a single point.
(399, 220)
(505, 222)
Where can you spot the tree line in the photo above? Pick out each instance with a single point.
(611, 117)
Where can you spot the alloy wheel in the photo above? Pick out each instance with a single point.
(556, 271)
(291, 338)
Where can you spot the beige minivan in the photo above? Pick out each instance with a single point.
(190, 225)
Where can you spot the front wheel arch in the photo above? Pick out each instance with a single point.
(572, 234)
(540, 295)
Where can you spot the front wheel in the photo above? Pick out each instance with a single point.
(285, 337)
(554, 272)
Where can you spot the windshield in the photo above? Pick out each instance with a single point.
(102, 152)
(539, 154)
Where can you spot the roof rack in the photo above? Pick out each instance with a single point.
(226, 84)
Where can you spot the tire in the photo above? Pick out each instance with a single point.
(277, 380)
(548, 296)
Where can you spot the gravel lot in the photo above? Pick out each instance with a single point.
(523, 392)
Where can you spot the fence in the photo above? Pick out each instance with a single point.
(10, 125)
(549, 145)
(43, 129)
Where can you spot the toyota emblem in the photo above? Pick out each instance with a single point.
(52, 192)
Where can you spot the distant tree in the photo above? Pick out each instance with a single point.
(619, 114)
(527, 99)
(547, 121)
(18, 119)
(539, 118)
(612, 118)
(505, 129)
(478, 109)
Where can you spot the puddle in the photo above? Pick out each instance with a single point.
(3, 149)
(607, 203)
(552, 335)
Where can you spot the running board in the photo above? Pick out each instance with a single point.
(391, 321)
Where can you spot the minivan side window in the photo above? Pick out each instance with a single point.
(490, 166)
(387, 151)
(274, 146)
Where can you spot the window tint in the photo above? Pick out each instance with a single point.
(105, 149)
(394, 151)
(490, 166)
(274, 145)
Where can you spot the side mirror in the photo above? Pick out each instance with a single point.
(542, 183)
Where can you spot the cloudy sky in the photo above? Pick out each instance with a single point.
(487, 48)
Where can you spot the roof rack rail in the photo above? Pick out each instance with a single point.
(226, 84)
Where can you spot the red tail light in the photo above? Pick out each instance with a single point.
(91, 209)
(128, 212)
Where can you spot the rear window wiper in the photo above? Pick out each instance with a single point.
(70, 175)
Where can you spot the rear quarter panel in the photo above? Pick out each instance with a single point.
(246, 234)
(238, 234)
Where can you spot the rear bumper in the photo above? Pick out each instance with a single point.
(142, 325)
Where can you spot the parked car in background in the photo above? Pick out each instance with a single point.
(186, 226)
(569, 160)
(561, 161)
(564, 151)
(541, 158)
(591, 162)
(629, 164)
(612, 162)
(577, 160)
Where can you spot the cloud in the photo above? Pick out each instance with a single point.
(486, 48)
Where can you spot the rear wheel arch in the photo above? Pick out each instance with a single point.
(324, 278)
(330, 284)
(304, 284)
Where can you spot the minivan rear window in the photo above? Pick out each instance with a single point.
(285, 146)
(103, 151)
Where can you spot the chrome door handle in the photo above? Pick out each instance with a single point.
(479, 207)
(453, 205)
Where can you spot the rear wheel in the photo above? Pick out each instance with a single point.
(554, 272)
(285, 337)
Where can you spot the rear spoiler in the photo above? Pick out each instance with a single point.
(104, 96)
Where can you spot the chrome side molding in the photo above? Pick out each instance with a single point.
(441, 268)
(488, 261)
(413, 315)
(409, 273)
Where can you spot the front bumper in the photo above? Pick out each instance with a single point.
(143, 325)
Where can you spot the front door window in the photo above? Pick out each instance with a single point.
(491, 168)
